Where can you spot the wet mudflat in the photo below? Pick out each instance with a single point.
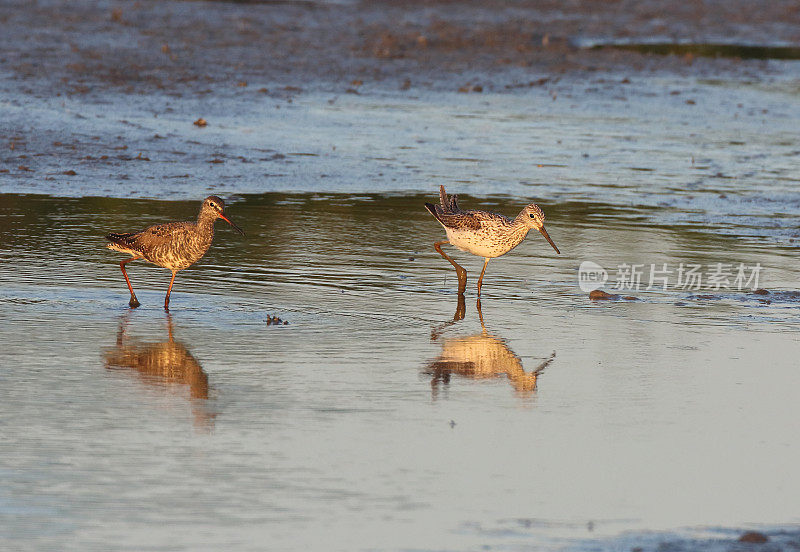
(377, 418)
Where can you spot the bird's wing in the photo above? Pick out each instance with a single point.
(464, 220)
(139, 241)
(451, 216)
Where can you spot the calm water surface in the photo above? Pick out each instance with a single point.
(373, 419)
(376, 419)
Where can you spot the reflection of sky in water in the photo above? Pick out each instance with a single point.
(324, 431)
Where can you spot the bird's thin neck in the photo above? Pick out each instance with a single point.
(206, 219)
(520, 223)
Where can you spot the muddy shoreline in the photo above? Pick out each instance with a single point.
(77, 48)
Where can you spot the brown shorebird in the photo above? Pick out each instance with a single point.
(481, 233)
(174, 245)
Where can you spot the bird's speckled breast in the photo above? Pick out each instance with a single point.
(487, 242)
(181, 252)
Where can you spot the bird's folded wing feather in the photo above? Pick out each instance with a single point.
(155, 233)
(460, 221)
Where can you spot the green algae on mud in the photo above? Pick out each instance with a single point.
(740, 51)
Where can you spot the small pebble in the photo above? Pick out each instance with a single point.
(761, 291)
(200, 122)
(599, 294)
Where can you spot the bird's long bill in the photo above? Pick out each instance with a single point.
(229, 221)
(547, 237)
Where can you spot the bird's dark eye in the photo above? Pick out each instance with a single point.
(531, 215)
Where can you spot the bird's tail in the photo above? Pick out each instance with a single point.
(449, 205)
(433, 209)
(119, 239)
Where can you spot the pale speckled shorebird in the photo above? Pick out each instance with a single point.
(481, 233)
(174, 245)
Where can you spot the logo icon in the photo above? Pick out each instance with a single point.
(591, 276)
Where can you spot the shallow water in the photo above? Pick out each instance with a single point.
(364, 422)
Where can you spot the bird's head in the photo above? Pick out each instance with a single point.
(533, 217)
(524, 383)
(214, 204)
(216, 207)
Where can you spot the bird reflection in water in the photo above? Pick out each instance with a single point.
(162, 364)
(480, 356)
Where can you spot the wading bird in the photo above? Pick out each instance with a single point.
(174, 245)
(481, 233)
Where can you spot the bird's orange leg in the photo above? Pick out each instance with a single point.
(134, 302)
(166, 299)
(462, 274)
(480, 280)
